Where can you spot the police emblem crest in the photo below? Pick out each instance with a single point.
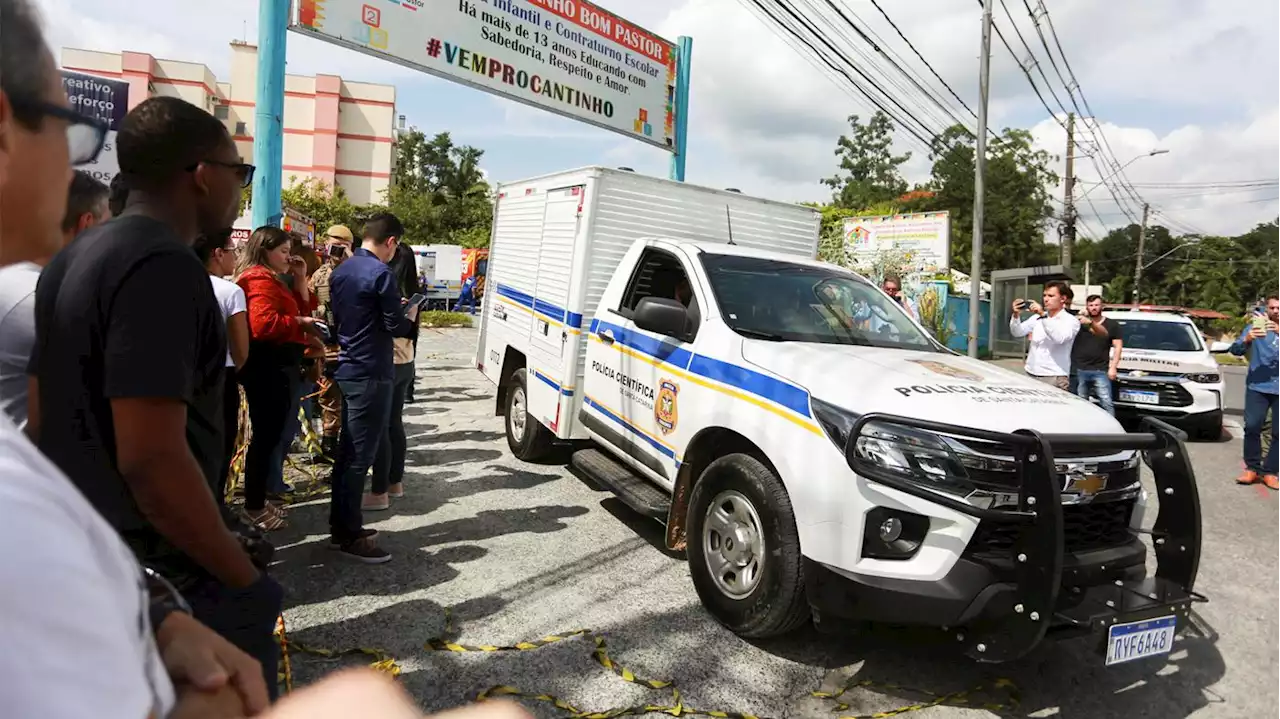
(665, 411)
(943, 368)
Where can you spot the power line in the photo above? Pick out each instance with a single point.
(894, 25)
(951, 115)
(926, 142)
(946, 118)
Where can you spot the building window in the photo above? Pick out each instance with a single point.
(241, 131)
(221, 112)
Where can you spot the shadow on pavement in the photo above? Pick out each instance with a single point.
(427, 458)
(465, 435)
(493, 523)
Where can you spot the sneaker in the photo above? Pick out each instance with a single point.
(1248, 477)
(396, 491)
(366, 550)
(366, 533)
(375, 503)
(1271, 481)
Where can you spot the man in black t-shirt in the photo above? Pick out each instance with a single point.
(127, 369)
(1096, 354)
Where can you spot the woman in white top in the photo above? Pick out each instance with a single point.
(218, 255)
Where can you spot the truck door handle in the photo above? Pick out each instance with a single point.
(607, 337)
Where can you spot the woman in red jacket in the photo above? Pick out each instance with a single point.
(280, 329)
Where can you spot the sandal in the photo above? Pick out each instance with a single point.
(266, 520)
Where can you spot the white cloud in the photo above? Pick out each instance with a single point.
(1195, 77)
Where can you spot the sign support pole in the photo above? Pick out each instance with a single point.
(684, 56)
(268, 126)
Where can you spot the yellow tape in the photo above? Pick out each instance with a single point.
(382, 661)
(677, 707)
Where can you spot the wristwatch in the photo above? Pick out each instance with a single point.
(165, 598)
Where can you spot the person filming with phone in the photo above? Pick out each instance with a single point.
(1260, 341)
(1052, 331)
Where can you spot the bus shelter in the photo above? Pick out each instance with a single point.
(1025, 283)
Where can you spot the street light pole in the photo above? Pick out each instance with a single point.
(1103, 181)
(979, 176)
(1142, 237)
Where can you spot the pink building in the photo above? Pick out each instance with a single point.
(338, 131)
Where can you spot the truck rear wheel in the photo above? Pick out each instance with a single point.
(744, 550)
(527, 438)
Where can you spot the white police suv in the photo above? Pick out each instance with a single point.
(1167, 370)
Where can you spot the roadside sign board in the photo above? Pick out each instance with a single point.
(564, 56)
(923, 237)
(107, 100)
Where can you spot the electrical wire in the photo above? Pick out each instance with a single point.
(896, 29)
(919, 130)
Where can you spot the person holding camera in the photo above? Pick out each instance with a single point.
(338, 241)
(1260, 341)
(1052, 331)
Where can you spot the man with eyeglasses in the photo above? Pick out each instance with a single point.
(76, 601)
(86, 207)
(338, 242)
(128, 367)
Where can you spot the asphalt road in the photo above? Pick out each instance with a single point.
(518, 551)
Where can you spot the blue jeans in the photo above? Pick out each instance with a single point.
(366, 408)
(1256, 406)
(1096, 383)
(275, 480)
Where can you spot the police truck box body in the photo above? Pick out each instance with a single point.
(812, 449)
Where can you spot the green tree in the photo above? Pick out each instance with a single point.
(327, 205)
(1017, 209)
(438, 191)
(868, 168)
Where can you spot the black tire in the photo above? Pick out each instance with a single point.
(776, 603)
(534, 441)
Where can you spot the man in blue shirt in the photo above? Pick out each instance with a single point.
(1261, 390)
(369, 312)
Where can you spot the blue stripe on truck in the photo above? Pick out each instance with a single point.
(542, 307)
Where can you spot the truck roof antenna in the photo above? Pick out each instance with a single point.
(729, 221)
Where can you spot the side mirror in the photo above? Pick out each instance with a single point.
(661, 315)
(1219, 347)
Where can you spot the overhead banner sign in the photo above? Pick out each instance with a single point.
(566, 56)
(923, 237)
(107, 100)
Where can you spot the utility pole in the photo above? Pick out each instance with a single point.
(1086, 273)
(979, 175)
(1142, 238)
(1068, 195)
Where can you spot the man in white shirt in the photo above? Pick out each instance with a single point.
(1052, 330)
(86, 207)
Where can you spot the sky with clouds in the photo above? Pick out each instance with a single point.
(1197, 78)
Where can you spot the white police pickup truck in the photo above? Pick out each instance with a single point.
(811, 448)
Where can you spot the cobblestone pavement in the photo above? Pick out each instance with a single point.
(518, 551)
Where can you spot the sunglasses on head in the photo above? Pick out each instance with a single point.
(85, 135)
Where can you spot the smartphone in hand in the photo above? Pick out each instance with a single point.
(1259, 322)
(414, 304)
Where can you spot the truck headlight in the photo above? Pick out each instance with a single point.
(916, 455)
(1203, 378)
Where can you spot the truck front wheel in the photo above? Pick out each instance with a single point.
(743, 548)
(527, 438)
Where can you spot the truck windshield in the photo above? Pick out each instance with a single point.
(783, 301)
(1156, 335)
